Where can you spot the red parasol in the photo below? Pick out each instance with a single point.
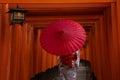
(63, 37)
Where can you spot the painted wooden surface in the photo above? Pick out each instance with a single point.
(19, 46)
(118, 29)
(5, 43)
(54, 1)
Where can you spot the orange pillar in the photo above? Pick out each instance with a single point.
(5, 45)
(112, 40)
(15, 52)
(24, 64)
(118, 28)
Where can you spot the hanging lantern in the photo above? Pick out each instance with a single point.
(17, 15)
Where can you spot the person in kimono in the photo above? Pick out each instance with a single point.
(68, 65)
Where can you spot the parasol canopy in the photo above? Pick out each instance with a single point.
(62, 37)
